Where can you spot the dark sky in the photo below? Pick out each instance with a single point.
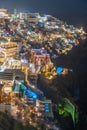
(64, 9)
(50, 6)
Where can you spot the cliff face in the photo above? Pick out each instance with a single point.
(77, 61)
(73, 85)
(65, 86)
(60, 87)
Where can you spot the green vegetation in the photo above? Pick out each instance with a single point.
(67, 108)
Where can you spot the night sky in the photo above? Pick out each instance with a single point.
(72, 11)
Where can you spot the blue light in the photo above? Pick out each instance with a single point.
(34, 96)
(31, 94)
(46, 110)
(59, 70)
(46, 106)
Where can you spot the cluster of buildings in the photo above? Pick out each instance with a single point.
(28, 42)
